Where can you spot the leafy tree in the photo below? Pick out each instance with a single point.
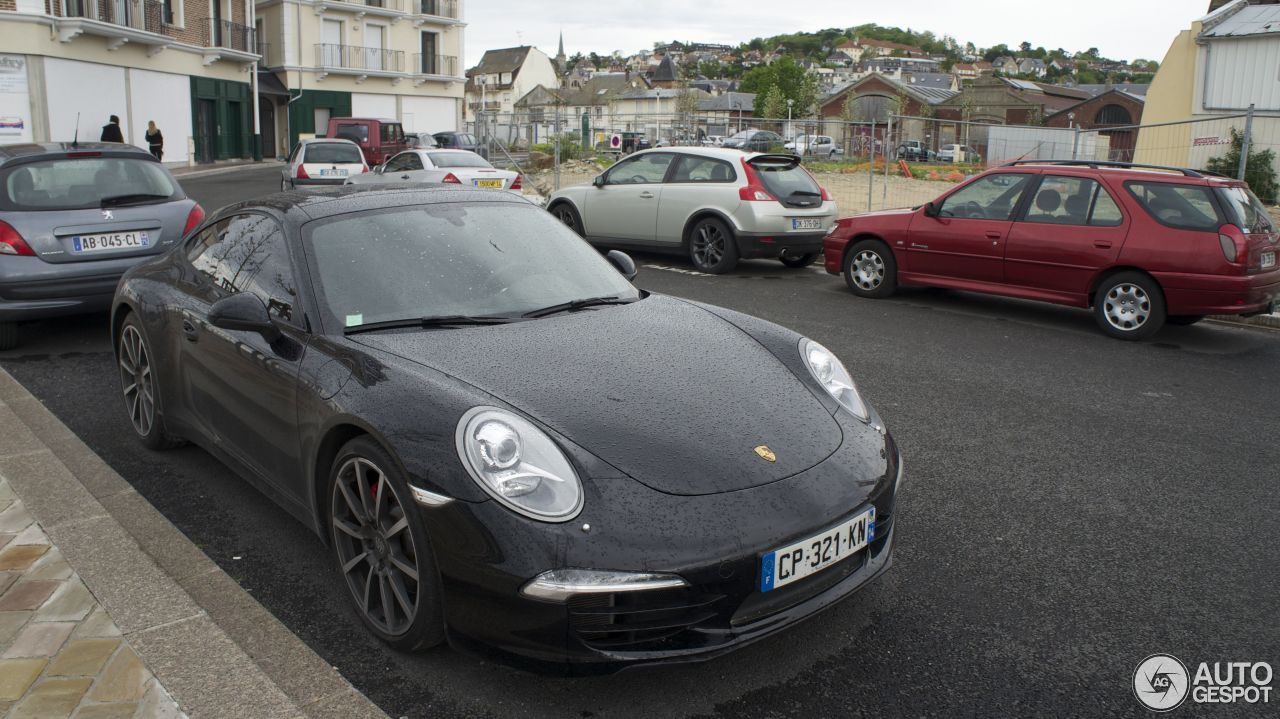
(1026, 46)
(772, 104)
(1260, 173)
(792, 82)
(709, 69)
(992, 53)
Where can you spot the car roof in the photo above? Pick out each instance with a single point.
(325, 140)
(364, 119)
(34, 151)
(1164, 174)
(345, 199)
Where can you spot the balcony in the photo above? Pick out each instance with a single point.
(359, 61)
(434, 67)
(440, 11)
(119, 21)
(384, 8)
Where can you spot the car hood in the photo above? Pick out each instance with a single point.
(896, 217)
(664, 391)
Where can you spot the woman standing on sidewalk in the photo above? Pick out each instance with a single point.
(155, 141)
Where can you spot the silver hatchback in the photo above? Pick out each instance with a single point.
(73, 218)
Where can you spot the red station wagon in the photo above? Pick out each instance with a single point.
(1140, 245)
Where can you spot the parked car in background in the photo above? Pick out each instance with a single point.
(755, 141)
(378, 139)
(915, 151)
(713, 141)
(958, 153)
(423, 377)
(321, 162)
(421, 141)
(713, 205)
(450, 167)
(1139, 245)
(461, 141)
(821, 147)
(73, 218)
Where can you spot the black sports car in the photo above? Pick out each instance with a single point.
(505, 443)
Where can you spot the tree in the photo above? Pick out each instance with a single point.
(709, 69)
(1260, 172)
(1026, 46)
(772, 104)
(792, 81)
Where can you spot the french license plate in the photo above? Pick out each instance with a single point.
(110, 241)
(808, 224)
(497, 184)
(810, 556)
(1268, 260)
(334, 172)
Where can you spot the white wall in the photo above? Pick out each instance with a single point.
(429, 114)
(166, 99)
(375, 106)
(15, 100)
(1239, 73)
(94, 91)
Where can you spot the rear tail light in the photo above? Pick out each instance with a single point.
(11, 243)
(363, 168)
(1235, 246)
(451, 179)
(302, 173)
(517, 184)
(754, 191)
(194, 218)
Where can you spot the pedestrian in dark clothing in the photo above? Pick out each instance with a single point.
(111, 131)
(155, 141)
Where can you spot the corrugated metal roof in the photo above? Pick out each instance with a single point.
(1251, 20)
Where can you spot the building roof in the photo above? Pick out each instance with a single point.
(666, 71)
(1245, 21)
(505, 60)
(924, 93)
(728, 102)
(928, 79)
(1136, 89)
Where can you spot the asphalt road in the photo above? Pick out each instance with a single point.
(1072, 504)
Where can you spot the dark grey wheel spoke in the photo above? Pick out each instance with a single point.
(346, 568)
(388, 609)
(356, 508)
(379, 495)
(136, 380)
(368, 587)
(405, 567)
(401, 594)
(347, 528)
(396, 528)
(362, 486)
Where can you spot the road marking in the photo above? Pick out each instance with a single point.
(678, 270)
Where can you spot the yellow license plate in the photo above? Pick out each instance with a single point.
(490, 183)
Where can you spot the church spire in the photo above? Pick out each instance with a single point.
(562, 61)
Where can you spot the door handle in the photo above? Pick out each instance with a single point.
(189, 331)
(993, 235)
(646, 195)
(1102, 244)
(404, 177)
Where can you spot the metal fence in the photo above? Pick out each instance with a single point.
(899, 161)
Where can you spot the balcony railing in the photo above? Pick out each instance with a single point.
(438, 8)
(395, 5)
(229, 35)
(353, 57)
(124, 14)
(446, 65)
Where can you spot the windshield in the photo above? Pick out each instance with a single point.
(451, 259)
(333, 153)
(1246, 210)
(83, 182)
(458, 159)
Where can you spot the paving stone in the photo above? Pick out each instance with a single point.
(51, 698)
(50, 566)
(39, 639)
(124, 680)
(158, 704)
(5, 503)
(6, 492)
(18, 674)
(107, 711)
(70, 604)
(10, 624)
(21, 556)
(5, 539)
(6, 579)
(14, 519)
(98, 624)
(27, 595)
(31, 535)
(83, 657)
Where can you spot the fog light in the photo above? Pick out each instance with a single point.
(559, 585)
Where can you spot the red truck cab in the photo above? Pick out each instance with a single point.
(378, 139)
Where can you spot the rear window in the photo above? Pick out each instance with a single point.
(787, 181)
(83, 183)
(358, 134)
(333, 153)
(1183, 207)
(392, 133)
(457, 159)
(1245, 209)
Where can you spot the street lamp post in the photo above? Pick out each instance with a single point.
(790, 102)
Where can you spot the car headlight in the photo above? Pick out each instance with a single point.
(834, 378)
(518, 465)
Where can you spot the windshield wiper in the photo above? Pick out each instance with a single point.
(427, 322)
(132, 199)
(577, 305)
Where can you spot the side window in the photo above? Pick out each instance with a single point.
(1183, 207)
(392, 133)
(293, 154)
(247, 253)
(643, 170)
(993, 197)
(1063, 200)
(411, 161)
(703, 169)
(397, 163)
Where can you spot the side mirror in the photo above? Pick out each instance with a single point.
(243, 312)
(931, 210)
(623, 262)
(599, 181)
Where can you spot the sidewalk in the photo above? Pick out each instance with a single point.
(108, 610)
(224, 166)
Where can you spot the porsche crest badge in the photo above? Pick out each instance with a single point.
(766, 454)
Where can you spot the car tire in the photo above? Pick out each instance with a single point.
(381, 549)
(138, 383)
(799, 261)
(712, 247)
(1183, 320)
(870, 270)
(1129, 306)
(8, 335)
(284, 185)
(568, 215)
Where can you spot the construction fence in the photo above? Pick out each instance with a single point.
(900, 161)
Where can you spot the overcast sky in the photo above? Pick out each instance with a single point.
(1120, 29)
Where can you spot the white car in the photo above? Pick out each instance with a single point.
(820, 146)
(715, 206)
(713, 141)
(958, 153)
(321, 162)
(450, 167)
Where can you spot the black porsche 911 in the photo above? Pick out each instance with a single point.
(504, 442)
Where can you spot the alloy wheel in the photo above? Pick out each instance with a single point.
(136, 379)
(375, 546)
(565, 215)
(1127, 307)
(868, 270)
(708, 245)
